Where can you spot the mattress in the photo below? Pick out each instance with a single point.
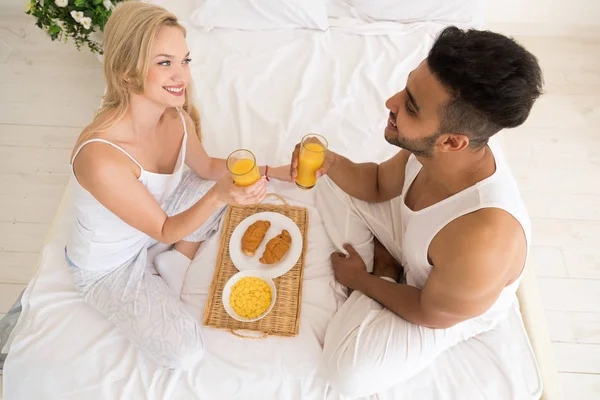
(262, 91)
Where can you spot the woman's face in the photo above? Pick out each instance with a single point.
(169, 72)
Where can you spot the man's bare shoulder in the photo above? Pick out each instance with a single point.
(490, 238)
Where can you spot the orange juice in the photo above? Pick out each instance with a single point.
(244, 172)
(310, 159)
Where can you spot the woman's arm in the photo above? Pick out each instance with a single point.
(212, 168)
(111, 178)
(281, 173)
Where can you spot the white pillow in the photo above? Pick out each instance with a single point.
(260, 14)
(405, 11)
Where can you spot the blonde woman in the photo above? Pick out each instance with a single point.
(130, 191)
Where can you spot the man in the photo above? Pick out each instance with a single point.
(445, 211)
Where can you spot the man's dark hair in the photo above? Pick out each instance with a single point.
(493, 82)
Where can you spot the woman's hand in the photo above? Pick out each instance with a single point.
(281, 173)
(227, 191)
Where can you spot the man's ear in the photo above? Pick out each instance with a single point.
(449, 142)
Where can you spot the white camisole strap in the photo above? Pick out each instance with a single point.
(184, 128)
(109, 143)
(183, 149)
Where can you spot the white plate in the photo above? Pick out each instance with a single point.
(278, 222)
(233, 280)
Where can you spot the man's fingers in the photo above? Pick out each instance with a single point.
(294, 163)
(348, 247)
(320, 172)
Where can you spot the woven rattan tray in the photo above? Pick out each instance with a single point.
(284, 318)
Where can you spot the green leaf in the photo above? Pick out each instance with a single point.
(80, 3)
(97, 2)
(54, 29)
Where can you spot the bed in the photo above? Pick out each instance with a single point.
(262, 86)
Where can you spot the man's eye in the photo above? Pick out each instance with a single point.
(408, 109)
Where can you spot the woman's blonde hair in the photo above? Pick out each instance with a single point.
(129, 37)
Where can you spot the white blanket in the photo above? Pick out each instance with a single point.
(263, 91)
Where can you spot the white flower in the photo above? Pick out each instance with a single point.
(61, 3)
(60, 23)
(86, 22)
(108, 4)
(77, 15)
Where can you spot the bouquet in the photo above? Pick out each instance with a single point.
(81, 20)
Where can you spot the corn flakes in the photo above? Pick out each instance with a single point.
(250, 297)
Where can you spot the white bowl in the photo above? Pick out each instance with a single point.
(233, 280)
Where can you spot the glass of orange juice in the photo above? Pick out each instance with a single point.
(242, 167)
(310, 159)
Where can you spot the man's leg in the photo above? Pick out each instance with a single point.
(368, 348)
(348, 220)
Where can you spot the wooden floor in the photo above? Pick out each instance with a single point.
(48, 91)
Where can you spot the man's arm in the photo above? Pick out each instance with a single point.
(473, 264)
(369, 181)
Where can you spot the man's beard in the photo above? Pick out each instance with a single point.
(421, 147)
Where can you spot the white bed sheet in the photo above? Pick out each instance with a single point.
(263, 91)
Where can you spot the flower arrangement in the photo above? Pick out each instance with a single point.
(80, 20)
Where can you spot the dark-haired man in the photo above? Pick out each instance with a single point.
(451, 230)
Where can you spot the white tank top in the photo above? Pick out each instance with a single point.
(99, 239)
(420, 227)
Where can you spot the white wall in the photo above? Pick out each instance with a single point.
(546, 17)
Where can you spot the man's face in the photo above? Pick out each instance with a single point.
(414, 119)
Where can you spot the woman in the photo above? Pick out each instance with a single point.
(130, 191)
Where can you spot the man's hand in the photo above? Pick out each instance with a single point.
(351, 270)
(327, 163)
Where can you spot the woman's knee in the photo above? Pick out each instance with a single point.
(183, 357)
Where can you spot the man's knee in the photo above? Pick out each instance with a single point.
(347, 378)
(326, 185)
(329, 195)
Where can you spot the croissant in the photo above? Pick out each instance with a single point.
(276, 248)
(253, 237)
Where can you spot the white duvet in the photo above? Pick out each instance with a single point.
(263, 91)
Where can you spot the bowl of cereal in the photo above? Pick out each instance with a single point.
(249, 296)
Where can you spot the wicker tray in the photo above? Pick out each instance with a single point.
(284, 318)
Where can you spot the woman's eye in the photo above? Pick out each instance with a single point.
(165, 63)
(187, 61)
